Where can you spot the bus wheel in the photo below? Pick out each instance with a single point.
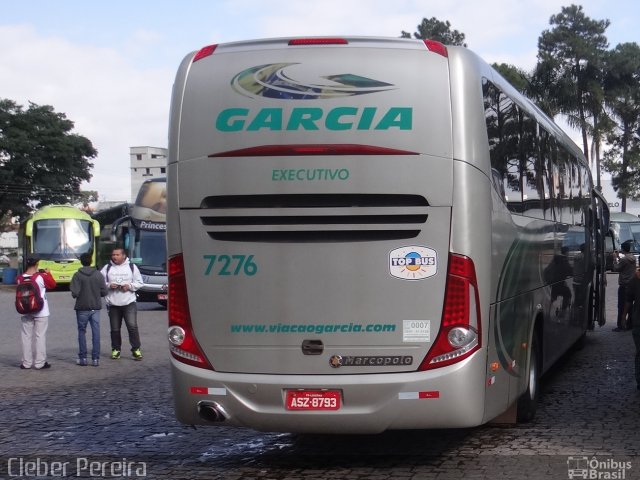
(528, 402)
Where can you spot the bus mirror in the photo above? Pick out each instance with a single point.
(96, 229)
(28, 229)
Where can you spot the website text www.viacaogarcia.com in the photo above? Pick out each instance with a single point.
(313, 328)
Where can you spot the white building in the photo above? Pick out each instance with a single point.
(8, 241)
(615, 204)
(146, 163)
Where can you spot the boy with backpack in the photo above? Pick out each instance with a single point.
(31, 302)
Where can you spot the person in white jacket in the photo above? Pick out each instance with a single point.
(34, 325)
(123, 279)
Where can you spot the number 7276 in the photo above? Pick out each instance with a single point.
(225, 265)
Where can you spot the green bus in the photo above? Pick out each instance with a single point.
(58, 235)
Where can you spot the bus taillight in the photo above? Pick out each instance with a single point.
(460, 329)
(183, 344)
(317, 41)
(436, 47)
(204, 52)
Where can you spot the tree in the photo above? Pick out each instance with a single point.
(622, 99)
(571, 54)
(514, 75)
(434, 29)
(41, 161)
(85, 197)
(548, 89)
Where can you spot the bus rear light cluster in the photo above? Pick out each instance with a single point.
(290, 150)
(183, 344)
(462, 341)
(459, 334)
(204, 52)
(317, 41)
(436, 47)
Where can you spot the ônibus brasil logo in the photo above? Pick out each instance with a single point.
(272, 81)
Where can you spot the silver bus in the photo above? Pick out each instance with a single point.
(367, 234)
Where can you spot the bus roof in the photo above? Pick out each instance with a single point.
(60, 211)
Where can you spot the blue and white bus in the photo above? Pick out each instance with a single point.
(140, 229)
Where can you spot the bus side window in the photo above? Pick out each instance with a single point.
(585, 197)
(532, 170)
(562, 192)
(501, 117)
(576, 198)
(498, 184)
(544, 153)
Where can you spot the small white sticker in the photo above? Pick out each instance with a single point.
(217, 391)
(414, 262)
(416, 330)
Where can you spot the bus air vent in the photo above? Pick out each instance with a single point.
(313, 218)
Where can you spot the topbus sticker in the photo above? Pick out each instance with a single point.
(414, 262)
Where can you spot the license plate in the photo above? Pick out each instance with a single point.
(313, 400)
(163, 296)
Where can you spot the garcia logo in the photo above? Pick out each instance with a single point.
(314, 118)
(271, 81)
(414, 262)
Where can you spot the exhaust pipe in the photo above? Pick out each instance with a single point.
(211, 412)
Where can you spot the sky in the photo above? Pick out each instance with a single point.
(109, 66)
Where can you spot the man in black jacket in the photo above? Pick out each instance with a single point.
(632, 305)
(88, 287)
(625, 264)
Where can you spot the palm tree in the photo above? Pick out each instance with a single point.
(622, 98)
(571, 54)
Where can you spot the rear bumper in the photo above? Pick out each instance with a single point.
(452, 397)
(149, 292)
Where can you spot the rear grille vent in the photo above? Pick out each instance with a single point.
(313, 218)
(311, 201)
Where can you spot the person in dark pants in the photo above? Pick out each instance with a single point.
(633, 296)
(625, 264)
(88, 288)
(122, 279)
